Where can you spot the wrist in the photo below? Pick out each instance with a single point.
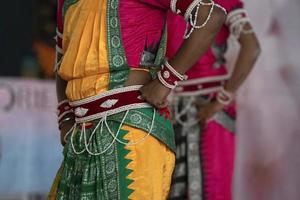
(224, 97)
(66, 122)
(169, 77)
(65, 114)
(230, 88)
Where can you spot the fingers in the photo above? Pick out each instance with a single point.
(154, 97)
(62, 141)
(161, 105)
(204, 117)
(155, 102)
(198, 104)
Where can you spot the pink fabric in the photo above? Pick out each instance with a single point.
(146, 23)
(217, 156)
(182, 5)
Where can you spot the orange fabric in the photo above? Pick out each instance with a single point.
(46, 57)
(53, 190)
(152, 165)
(84, 66)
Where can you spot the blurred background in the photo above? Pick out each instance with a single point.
(267, 162)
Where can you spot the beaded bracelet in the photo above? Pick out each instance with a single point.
(169, 77)
(236, 21)
(224, 97)
(63, 108)
(61, 123)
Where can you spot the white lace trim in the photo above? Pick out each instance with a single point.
(59, 50)
(58, 33)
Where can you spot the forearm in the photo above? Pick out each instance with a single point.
(61, 86)
(247, 57)
(199, 41)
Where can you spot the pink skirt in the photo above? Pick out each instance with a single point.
(204, 158)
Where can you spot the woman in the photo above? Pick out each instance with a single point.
(117, 145)
(204, 108)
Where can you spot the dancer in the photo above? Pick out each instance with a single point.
(112, 85)
(204, 108)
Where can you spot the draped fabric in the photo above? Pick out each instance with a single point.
(122, 172)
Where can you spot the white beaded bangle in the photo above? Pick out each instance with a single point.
(224, 94)
(174, 8)
(178, 75)
(221, 101)
(236, 21)
(65, 120)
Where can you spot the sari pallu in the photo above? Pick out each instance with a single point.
(204, 157)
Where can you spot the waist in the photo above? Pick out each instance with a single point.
(201, 86)
(108, 103)
(85, 87)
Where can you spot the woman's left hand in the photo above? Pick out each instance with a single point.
(207, 111)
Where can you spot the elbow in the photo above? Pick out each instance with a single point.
(220, 16)
(256, 51)
(250, 44)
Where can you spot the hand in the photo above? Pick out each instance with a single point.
(156, 94)
(65, 128)
(207, 111)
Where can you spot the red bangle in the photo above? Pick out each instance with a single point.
(169, 77)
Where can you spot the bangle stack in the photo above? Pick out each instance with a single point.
(224, 97)
(61, 123)
(63, 109)
(169, 77)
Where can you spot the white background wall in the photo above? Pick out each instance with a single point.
(268, 162)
